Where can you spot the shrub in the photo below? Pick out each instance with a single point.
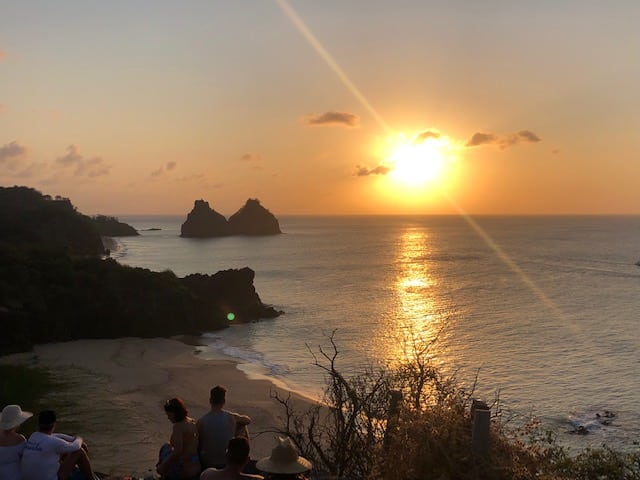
(361, 431)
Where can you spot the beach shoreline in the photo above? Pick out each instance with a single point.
(117, 388)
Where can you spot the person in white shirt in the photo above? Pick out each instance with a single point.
(11, 442)
(53, 456)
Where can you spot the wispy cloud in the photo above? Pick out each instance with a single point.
(251, 157)
(3, 54)
(165, 168)
(343, 119)
(505, 141)
(11, 151)
(83, 167)
(364, 171)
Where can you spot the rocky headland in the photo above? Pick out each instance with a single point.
(112, 227)
(251, 219)
(56, 286)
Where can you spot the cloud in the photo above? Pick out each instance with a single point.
(364, 171)
(332, 118)
(509, 140)
(11, 151)
(426, 135)
(482, 139)
(3, 54)
(84, 167)
(3, 108)
(166, 168)
(251, 157)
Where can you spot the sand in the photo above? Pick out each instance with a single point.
(118, 388)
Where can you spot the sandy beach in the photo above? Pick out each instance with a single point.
(117, 389)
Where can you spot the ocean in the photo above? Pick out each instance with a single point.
(540, 312)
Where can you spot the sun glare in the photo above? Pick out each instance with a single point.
(417, 161)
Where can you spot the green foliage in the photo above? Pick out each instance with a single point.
(25, 386)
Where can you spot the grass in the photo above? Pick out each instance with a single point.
(26, 386)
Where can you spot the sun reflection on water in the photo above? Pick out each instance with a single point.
(418, 313)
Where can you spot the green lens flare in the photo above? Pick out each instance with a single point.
(231, 316)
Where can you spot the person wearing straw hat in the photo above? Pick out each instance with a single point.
(11, 442)
(284, 463)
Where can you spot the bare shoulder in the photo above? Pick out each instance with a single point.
(249, 476)
(241, 419)
(212, 474)
(188, 425)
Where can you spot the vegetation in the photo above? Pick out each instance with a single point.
(54, 285)
(364, 430)
(30, 219)
(112, 227)
(25, 386)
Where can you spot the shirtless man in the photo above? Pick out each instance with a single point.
(217, 427)
(179, 459)
(237, 457)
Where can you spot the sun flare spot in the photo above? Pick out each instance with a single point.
(419, 160)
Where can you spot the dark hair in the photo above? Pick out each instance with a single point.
(177, 407)
(238, 451)
(46, 418)
(218, 395)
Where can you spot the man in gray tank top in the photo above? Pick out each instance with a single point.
(217, 427)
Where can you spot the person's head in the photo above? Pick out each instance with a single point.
(46, 420)
(284, 462)
(176, 410)
(218, 395)
(12, 417)
(238, 451)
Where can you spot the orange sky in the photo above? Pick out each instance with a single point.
(144, 107)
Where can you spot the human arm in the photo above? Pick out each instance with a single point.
(176, 443)
(241, 419)
(63, 443)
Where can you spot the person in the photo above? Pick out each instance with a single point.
(284, 463)
(54, 456)
(11, 442)
(179, 458)
(217, 427)
(237, 457)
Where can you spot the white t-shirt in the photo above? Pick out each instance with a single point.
(41, 456)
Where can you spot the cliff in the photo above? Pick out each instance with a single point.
(31, 219)
(112, 227)
(55, 287)
(253, 219)
(204, 222)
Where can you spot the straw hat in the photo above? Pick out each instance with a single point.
(12, 416)
(284, 459)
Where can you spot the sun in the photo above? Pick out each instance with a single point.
(419, 160)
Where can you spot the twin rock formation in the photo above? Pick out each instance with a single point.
(252, 219)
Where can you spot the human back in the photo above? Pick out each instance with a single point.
(216, 428)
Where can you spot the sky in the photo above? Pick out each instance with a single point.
(323, 107)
